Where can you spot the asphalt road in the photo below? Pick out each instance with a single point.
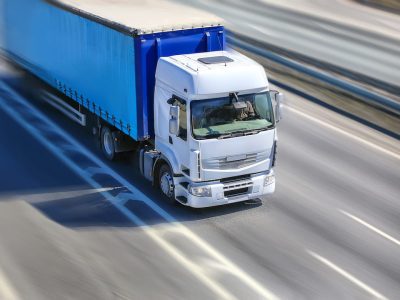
(331, 231)
(339, 32)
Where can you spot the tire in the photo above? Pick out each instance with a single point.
(107, 143)
(166, 183)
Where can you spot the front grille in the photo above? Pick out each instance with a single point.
(223, 163)
(236, 178)
(237, 192)
(237, 188)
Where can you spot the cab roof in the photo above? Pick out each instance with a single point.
(140, 16)
(211, 73)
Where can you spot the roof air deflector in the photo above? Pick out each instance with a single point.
(215, 60)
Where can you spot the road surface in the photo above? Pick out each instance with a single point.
(331, 231)
(340, 32)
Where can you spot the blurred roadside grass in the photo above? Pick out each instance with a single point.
(388, 5)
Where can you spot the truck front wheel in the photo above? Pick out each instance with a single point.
(166, 182)
(107, 143)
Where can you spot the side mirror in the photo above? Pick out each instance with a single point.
(174, 120)
(279, 98)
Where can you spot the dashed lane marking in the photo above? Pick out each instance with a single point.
(343, 132)
(373, 228)
(7, 291)
(348, 276)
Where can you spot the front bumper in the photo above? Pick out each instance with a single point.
(234, 191)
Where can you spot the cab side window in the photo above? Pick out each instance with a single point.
(182, 117)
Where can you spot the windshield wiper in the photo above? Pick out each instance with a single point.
(253, 131)
(248, 132)
(221, 136)
(224, 136)
(215, 135)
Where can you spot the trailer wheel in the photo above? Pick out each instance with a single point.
(107, 143)
(166, 183)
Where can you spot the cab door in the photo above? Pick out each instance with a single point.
(179, 142)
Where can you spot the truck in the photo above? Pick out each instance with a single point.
(159, 79)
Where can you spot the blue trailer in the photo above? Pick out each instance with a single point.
(156, 77)
(99, 60)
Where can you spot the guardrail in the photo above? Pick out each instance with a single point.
(369, 97)
(392, 6)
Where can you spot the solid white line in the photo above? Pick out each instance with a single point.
(263, 30)
(369, 226)
(343, 132)
(347, 275)
(200, 272)
(7, 292)
(230, 267)
(184, 258)
(197, 271)
(55, 195)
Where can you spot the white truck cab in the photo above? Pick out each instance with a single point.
(204, 123)
(215, 129)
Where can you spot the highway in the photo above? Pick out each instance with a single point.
(344, 34)
(73, 226)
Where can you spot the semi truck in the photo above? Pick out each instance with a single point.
(158, 79)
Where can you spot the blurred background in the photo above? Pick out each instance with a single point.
(331, 230)
(356, 42)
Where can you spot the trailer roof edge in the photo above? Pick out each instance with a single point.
(113, 25)
(116, 25)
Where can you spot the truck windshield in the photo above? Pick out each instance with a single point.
(231, 116)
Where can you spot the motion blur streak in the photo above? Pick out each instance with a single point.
(186, 260)
(343, 33)
(352, 136)
(378, 231)
(55, 195)
(347, 275)
(7, 292)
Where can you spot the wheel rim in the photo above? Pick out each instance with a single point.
(167, 184)
(108, 143)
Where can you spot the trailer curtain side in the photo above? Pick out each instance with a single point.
(109, 71)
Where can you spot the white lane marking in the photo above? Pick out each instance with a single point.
(187, 261)
(197, 271)
(200, 271)
(373, 228)
(55, 195)
(341, 131)
(348, 276)
(7, 291)
(263, 30)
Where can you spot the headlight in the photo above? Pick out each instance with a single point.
(270, 179)
(200, 191)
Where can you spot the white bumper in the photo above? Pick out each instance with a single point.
(234, 191)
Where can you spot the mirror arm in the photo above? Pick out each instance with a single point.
(274, 91)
